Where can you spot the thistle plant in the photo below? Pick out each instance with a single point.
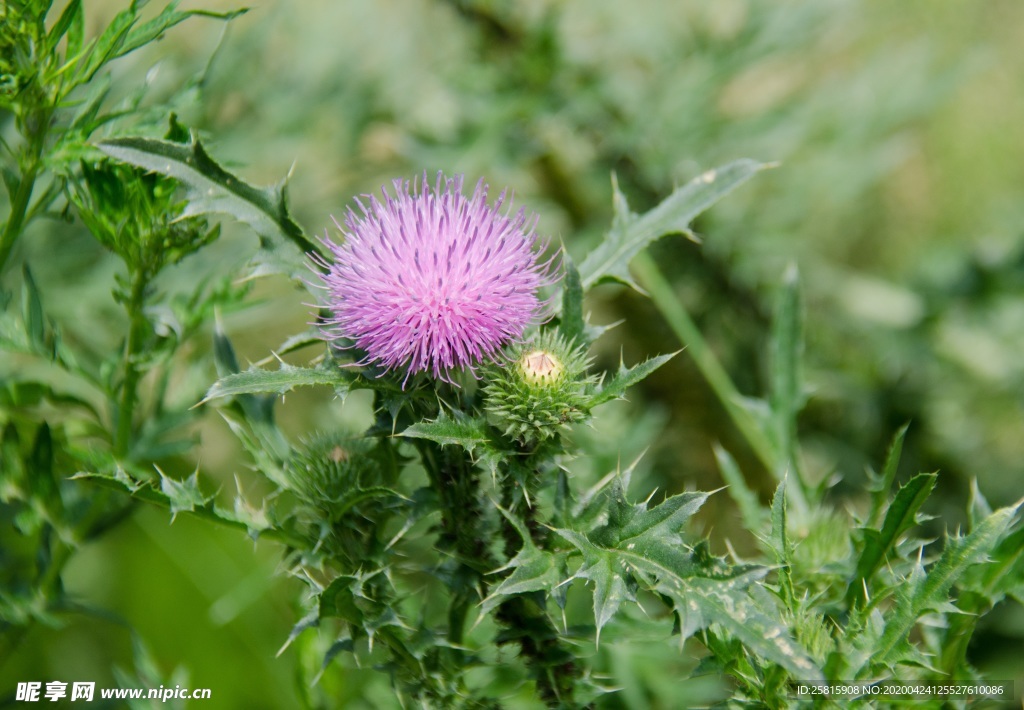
(457, 545)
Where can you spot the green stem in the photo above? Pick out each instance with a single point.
(19, 208)
(525, 616)
(132, 373)
(23, 195)
(664, 298)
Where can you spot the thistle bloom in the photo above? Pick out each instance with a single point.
(430, 280)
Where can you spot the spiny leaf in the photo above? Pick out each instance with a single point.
(532, 569)
(212, 189)
(630, 233)
(183, 496)
(309, 621)
(626, 378)
(925, 592)
(467, 432)
(284, 379)
(880, 493)
(900, 517)
(189, 501)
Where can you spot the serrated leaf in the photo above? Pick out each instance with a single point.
(626, 378)
(925, 592)
(284, 379)
(467, 432)
(187, 501)
(900, 517)
(880, 493)
(630, 234)
(532, 569)
(212, 189)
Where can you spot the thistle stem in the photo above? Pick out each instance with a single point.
(686, 330)
(132, 374)
(40, 123)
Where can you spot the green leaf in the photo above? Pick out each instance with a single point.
(72, 14)
(625, 545)
(185, 497)
(750, 506)
(467, 432)
(35, 320)
(786, 347)
(532, 570)
(630, 233)
(122, 37)
(154, 29)
(107, 45)
(212, 189)
(284, 379)
(309, 621)
(880, 492)
(900, 517)
(626, 378)
(926, 592)
(780, 537)
(571, 323)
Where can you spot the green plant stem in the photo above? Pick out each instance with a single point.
(686, 330)
(132, 374)
(23, 195)
(525, 617)
(19, 207)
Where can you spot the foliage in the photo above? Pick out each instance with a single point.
(451, 544)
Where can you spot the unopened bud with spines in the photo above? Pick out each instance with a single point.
(541, 388)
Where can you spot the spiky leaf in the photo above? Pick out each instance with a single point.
(926, 592)
(900, 517)
(212, 189)
(626, 377)
(630, 233)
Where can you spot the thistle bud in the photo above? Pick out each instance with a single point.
(540, 390)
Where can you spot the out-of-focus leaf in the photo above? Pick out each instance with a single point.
(747, 501)
(185, 497)
(571, 323)
(786, 347)
(630, 233)
(900, 517)
(880, 492)
(926, 592)
(212, 189)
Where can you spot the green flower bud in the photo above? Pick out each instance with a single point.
(541, 388)
(326, 468)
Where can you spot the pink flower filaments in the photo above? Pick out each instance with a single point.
(430, 280)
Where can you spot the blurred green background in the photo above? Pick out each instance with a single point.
(900, 196)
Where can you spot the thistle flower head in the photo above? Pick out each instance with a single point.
(432, 280)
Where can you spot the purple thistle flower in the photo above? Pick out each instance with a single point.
(433, 280)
